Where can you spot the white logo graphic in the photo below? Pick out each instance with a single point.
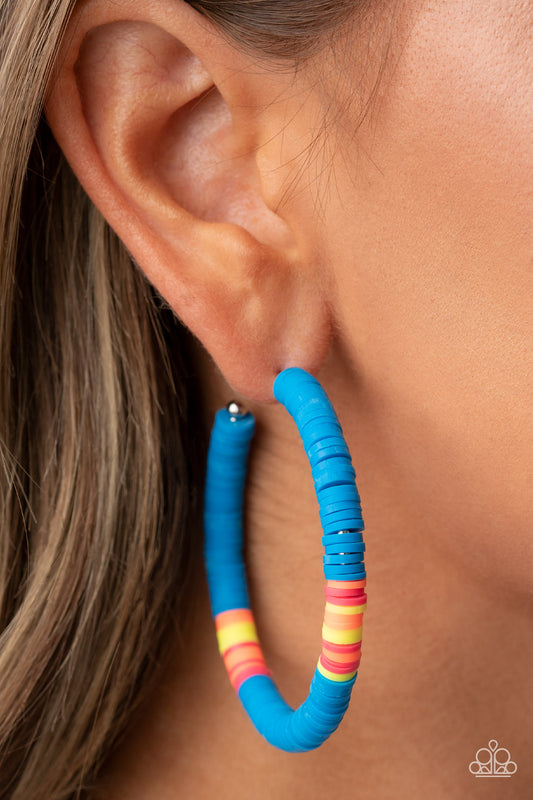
(493, 762)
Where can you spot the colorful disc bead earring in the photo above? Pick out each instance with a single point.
(314, 721)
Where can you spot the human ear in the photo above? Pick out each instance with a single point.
(160, 118)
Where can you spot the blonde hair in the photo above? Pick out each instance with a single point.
(96, 457)
(101, 458)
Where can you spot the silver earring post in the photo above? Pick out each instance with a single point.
(235, 410)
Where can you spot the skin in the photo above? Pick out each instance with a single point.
(393, 258)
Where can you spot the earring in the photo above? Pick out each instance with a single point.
(340, 512)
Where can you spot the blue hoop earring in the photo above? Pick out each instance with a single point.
(340, 512)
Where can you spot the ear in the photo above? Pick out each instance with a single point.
(160, 118)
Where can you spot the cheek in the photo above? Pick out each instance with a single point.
(461, 108)
(435, 298)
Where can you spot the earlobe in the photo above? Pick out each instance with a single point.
(163, 147)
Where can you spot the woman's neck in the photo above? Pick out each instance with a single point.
(442, 672)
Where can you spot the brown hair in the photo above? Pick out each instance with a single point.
(99, 480)
(283, 29)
